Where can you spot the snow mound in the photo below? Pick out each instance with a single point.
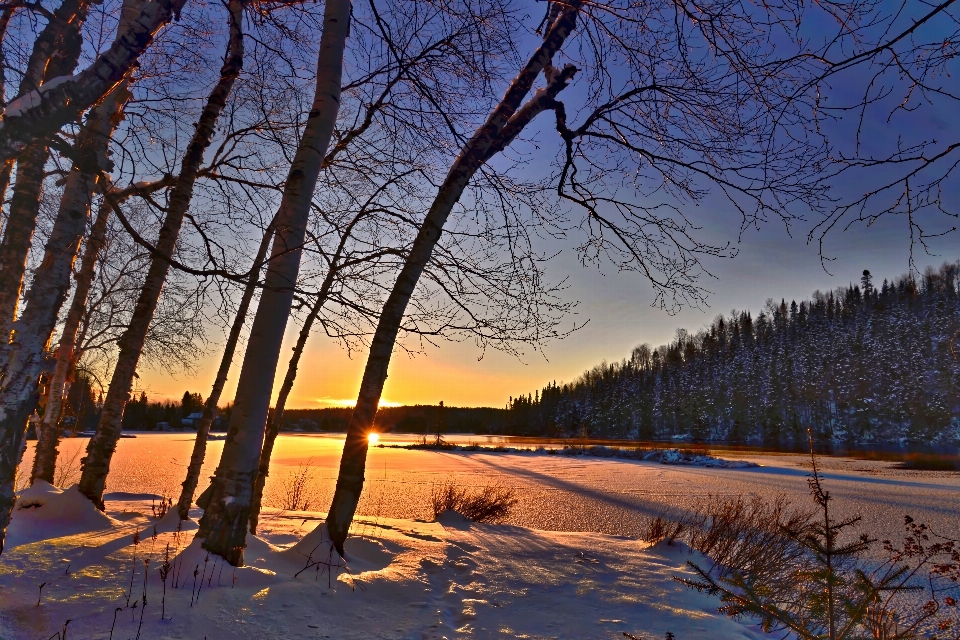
(361, 553)
(451, 517)
(401, 579)
(663, 456)
(44, 511)
(678, 456)
(313, 545)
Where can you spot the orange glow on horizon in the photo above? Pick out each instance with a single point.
(345, 403)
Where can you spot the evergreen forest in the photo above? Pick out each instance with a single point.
(862, 365)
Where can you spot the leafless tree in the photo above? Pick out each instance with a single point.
(395, 156)
(893, 80)
(224, 523)
(38, 114)
(68, 353)
(681, 98)
(51, 280)
(55, 53)
(210, 406)
(96, 464)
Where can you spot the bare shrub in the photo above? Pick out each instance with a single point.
(67, 471)
(491, 503)
(294, 492)
(160, 509)
(663, 527)
(807, 573)
(748, 535)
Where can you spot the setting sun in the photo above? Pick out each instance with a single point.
(373, 438)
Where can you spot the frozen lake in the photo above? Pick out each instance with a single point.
(555, 492)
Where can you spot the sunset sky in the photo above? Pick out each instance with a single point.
(770, 263)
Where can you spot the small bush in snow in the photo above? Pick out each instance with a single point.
(161, 509)
(485, 504)
(294, 492)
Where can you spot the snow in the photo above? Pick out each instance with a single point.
(44, 511)
(567, 564)
(32, 99)
(556, 492)
(53, 83)
(403, 578)
(25, 102)
(451, 517)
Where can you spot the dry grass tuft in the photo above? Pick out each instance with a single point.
(294, 492)
(485, 504)
(67, 471)
(748, 535)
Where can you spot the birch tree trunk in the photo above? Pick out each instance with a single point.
(273, 425)
(96, 464)
(55, 52)
(19, 396)
(6, 167)
(503, 124)
(40, 114)
(210, 407)
(224, 523)
(93, 146)
(48, 432)
(17, 238)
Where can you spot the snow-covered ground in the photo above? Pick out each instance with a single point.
(403, 579)
(568, 564)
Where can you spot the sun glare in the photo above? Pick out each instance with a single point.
(373, 438)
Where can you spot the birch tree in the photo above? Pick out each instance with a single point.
(51, 281)
(96, 464)
(224, 523)
(55, 53)
(41, 112)
(472, 156)
(198, 454)
(701, 98)
(67, 354)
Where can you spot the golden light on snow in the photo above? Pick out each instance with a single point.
(373, 438)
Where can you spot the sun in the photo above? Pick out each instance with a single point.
(373, 438)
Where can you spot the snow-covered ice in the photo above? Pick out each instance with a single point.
(558, 493)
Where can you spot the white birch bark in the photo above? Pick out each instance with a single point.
(210, 407)
(55, 52)
(48, 432)
(42, 113)
(224, 523)
(78, 196)
(273, 425)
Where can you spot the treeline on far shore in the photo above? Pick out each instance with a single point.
(142, 414)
